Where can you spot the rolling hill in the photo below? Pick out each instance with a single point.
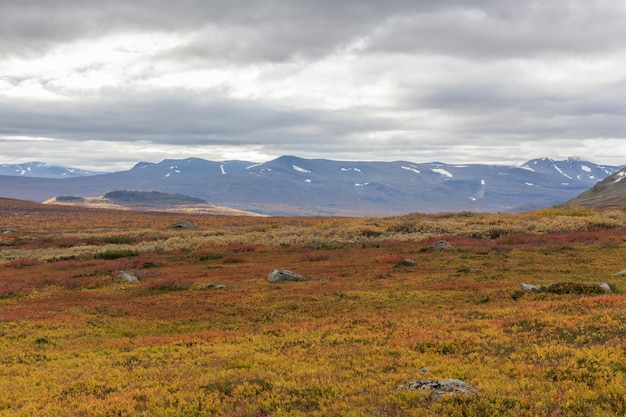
(148, 201)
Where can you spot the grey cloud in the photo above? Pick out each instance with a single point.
(271, 30)
(507, 30)
(180, 117)
(456, 71)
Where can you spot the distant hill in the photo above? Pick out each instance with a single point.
(290, 185)
(43, 170)
(610, 192)
(148, 201)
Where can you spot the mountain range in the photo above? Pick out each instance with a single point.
(290, 185)
(43, 170)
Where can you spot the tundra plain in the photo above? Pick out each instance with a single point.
(203, 333)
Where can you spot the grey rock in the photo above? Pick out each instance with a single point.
(283, 275)
(530, 287)
(129, 277)
(183, 224)
(215, 286)
(569, 288)
(6, 231)
(440, 388)
(622, 272)
(407, 262)
(440, 245)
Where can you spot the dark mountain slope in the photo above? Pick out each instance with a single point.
(610, 192)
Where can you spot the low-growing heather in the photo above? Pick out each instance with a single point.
(204, 333)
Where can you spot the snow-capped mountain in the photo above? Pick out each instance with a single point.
(290, 185)
(43, 170)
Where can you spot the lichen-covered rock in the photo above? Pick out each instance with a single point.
(282, 275)
(529, 287)
(215, 286)
(570, 288)
(440, 245)
(183, 224)
(438, 389)
(129, 277)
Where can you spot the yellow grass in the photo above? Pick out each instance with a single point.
(76, 341)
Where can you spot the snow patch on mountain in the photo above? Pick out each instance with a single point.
(173, 169)
(442, 172)
(560, 171)
(222, 169)
(299, 169)
(585, 168)
(411, 168)
(620, 176)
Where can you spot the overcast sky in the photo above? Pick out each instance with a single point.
(104, 84)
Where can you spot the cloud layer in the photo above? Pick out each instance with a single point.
(495, 81)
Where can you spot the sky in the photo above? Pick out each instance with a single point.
(102, 85)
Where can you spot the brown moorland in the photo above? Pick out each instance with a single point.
(75, 340)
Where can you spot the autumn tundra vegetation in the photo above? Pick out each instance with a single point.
(204, 333)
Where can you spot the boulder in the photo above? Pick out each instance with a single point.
(6, 231)
(529, 287)
(129, 277)
(569, 288)
(438, 389)
(215, 286)
(282, 275)
(440, 245)
(183, 224)
(622, 272)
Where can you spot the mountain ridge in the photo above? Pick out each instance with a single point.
(610, 192)
(37, 169)
(290, 185)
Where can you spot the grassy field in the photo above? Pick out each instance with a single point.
(75, 340)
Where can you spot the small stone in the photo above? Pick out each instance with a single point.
(407, 262)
